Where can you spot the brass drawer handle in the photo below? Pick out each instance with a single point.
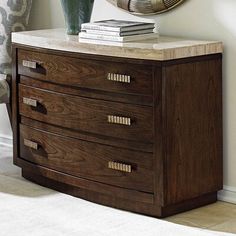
(30, 102)
(119, 166)
(31, 144)
(119, 78)
(29, 64)
(119, 120)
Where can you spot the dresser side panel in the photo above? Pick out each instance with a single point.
(193, 129)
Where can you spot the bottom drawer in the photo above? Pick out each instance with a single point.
(105, 164)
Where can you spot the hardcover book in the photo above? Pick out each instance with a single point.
(117, 38)
(117, 25)
(113, 33)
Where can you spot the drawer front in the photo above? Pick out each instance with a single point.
(85, 73)
(106, 164)
(126, 121)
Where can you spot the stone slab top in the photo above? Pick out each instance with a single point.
(160, 49)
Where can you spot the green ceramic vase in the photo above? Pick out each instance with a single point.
(76, 12)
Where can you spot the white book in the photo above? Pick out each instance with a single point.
(118, 39)
(118, 34)
(116, 25)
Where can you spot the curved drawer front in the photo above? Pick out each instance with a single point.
(85, 73)
(106, 164)
(126, 121)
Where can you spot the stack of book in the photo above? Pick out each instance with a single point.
(117, 31)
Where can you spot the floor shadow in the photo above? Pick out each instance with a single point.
(11, 181)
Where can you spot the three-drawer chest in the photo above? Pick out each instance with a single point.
(136, 126)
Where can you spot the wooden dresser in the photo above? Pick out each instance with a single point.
(135, 126)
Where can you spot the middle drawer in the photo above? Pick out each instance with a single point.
(112, 119)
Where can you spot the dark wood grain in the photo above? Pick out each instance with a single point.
(87, 159)
(14, 104)
(146, 100)
(121, 198)
(9, 105)
(189, 204)
(82, 183)
(193, 129)
(133, 201)
(115, 142)
(86, 73)
(174, 144)
(87, 114)
(158, 147)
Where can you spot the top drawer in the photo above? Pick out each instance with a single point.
(101, 75)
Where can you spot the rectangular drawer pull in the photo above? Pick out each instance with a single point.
(31, 144)
(119, 120)
(29, 64)
(119, 78)
(30, 102)
(119, 166)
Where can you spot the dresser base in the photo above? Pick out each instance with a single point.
(146, 209)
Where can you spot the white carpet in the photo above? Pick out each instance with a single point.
(27, 209)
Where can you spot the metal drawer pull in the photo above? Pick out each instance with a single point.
(119, 166)
(119, 120)
(30, 102)
(31, 144)
(119, 78)
(29, 64)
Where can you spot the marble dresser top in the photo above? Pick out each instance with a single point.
(160, 49)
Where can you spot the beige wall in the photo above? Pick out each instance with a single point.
(211, 19)
(46, 14)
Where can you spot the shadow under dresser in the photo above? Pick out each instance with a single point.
(136, 127)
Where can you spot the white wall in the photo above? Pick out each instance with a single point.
(211, 19)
